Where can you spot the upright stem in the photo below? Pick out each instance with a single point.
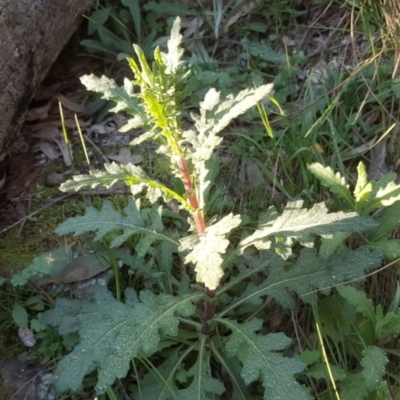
(192, 197)
(198, 217)
(209, 311)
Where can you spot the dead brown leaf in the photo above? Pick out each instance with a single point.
(66, 151)
(174, 207)
(125, 157)
(378, 167)
(346, 155)
(243, 11)
(71, 124)
(192, 27)
(44, 125)
(254, 175)
(38, 113)
(50, 133)
(103, 128)
(48, 149)
(3, 180)
(70, 104)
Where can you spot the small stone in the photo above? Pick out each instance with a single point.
(55, 179)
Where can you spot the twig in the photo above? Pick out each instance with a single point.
(22, 220)
(96, 148)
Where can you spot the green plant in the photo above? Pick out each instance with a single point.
(113, 27)
(337, 110)
(32, 291)
(194, 327)
(325, 122)
(378, 197)
(356, 330)
(42, 265)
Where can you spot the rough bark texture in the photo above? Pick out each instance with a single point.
(32, 34)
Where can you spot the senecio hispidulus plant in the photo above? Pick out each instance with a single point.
(192, 334)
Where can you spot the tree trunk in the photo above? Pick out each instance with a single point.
(32, 34)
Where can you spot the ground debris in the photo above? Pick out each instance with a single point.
(26, 380)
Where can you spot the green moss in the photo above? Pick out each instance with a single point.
(17, 250)
(19, 245)
(10, 345)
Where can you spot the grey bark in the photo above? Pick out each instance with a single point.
(32, 34)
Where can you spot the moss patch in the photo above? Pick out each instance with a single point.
(19, 246)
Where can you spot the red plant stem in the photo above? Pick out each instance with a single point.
(208, 306)
(192, 197)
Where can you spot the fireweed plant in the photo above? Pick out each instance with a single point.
(193, 324)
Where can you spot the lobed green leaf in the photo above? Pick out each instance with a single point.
(124, 97)
(308, 273)
(129, 174)
(203, 385)
(172, 60)
(42, 265)
(302, 225)
(206, 250)
(123, 225)
(353, 388)
(261, 360)
(362, 188)
(334, 182)
(373, 362)
(388, 220)
(359, 300)
(113, 333)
